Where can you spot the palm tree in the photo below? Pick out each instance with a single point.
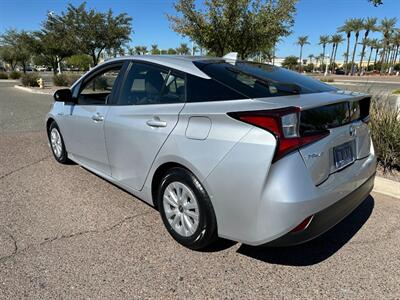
(373, 44)
(369, 26)
(377, 48)
(301, 41)
(347, 28)
(331, 41)
(357, 25)
(386, 27)
(323, 40)
(396, 43)
(183, 49)
(336, 39)
(154, 49)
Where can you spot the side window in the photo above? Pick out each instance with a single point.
(203, 90)
(146, 84)
(96, 90)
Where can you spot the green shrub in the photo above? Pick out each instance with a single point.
(327, 79)
(60, 80)
(396, 92)
(3, 75)
(65, 79)
(30, 79)
(15, 75)
(385, 132)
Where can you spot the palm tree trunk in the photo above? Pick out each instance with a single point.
(301, 54)
(354, 54)
(333, 51)
(376, 57)
(362, 57)
(369, 58)
(334, 58)
(383, 59)
(387, 58)
(395, 56)
(323, 55)
(347, 54)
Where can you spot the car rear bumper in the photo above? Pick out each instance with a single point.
(257, 202)
(328, 217)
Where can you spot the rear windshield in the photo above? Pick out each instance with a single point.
(257, 80)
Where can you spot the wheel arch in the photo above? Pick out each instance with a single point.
(159, 174)
(48, 122)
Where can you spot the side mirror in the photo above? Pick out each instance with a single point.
(63, 95)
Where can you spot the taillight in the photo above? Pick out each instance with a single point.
(283, 124)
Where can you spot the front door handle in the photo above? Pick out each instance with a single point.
(156, 122)
(98, 117)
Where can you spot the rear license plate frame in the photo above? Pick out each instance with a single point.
(343, 155)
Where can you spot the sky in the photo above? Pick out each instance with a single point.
(150, 25)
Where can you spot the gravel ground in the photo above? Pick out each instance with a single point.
(66, 233)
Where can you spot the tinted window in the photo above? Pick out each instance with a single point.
(324, 117)
(257, 80)
(147, 84)
(201, 90)
(97, 89)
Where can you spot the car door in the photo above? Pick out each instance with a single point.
(83, 122)
(143, 116)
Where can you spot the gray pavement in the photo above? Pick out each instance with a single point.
(368, 86)
(66, 233)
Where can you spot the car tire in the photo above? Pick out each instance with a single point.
(57, 144)
(179, 216)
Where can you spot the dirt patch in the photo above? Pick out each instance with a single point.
(390, 174)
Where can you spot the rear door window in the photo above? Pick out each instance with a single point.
(149, 84)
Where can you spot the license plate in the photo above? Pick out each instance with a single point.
(343, 155)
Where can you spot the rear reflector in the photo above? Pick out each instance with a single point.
(303, 225)
(284, 125)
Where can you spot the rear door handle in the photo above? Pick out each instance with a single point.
(98, 117)
(156, 123)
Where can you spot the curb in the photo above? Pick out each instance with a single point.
(8, 80)
(365, 81)
(31, 90)
(387, 187)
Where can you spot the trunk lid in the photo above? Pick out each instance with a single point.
(343, 114)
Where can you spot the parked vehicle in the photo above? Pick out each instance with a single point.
(42, 68)
(340, 72)
(232, 149)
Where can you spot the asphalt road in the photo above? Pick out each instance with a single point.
(66, 233)
(375, 87)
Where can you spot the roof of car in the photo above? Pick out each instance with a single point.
(182, 63)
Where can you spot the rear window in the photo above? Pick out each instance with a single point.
(256, 80)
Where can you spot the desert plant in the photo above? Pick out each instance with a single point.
(3, 75)
(65, 79)
(385, 132)
(60, 80)
(327, 79)
(15, 75)
(30, 79)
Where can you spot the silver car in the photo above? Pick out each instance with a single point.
(223, 148)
